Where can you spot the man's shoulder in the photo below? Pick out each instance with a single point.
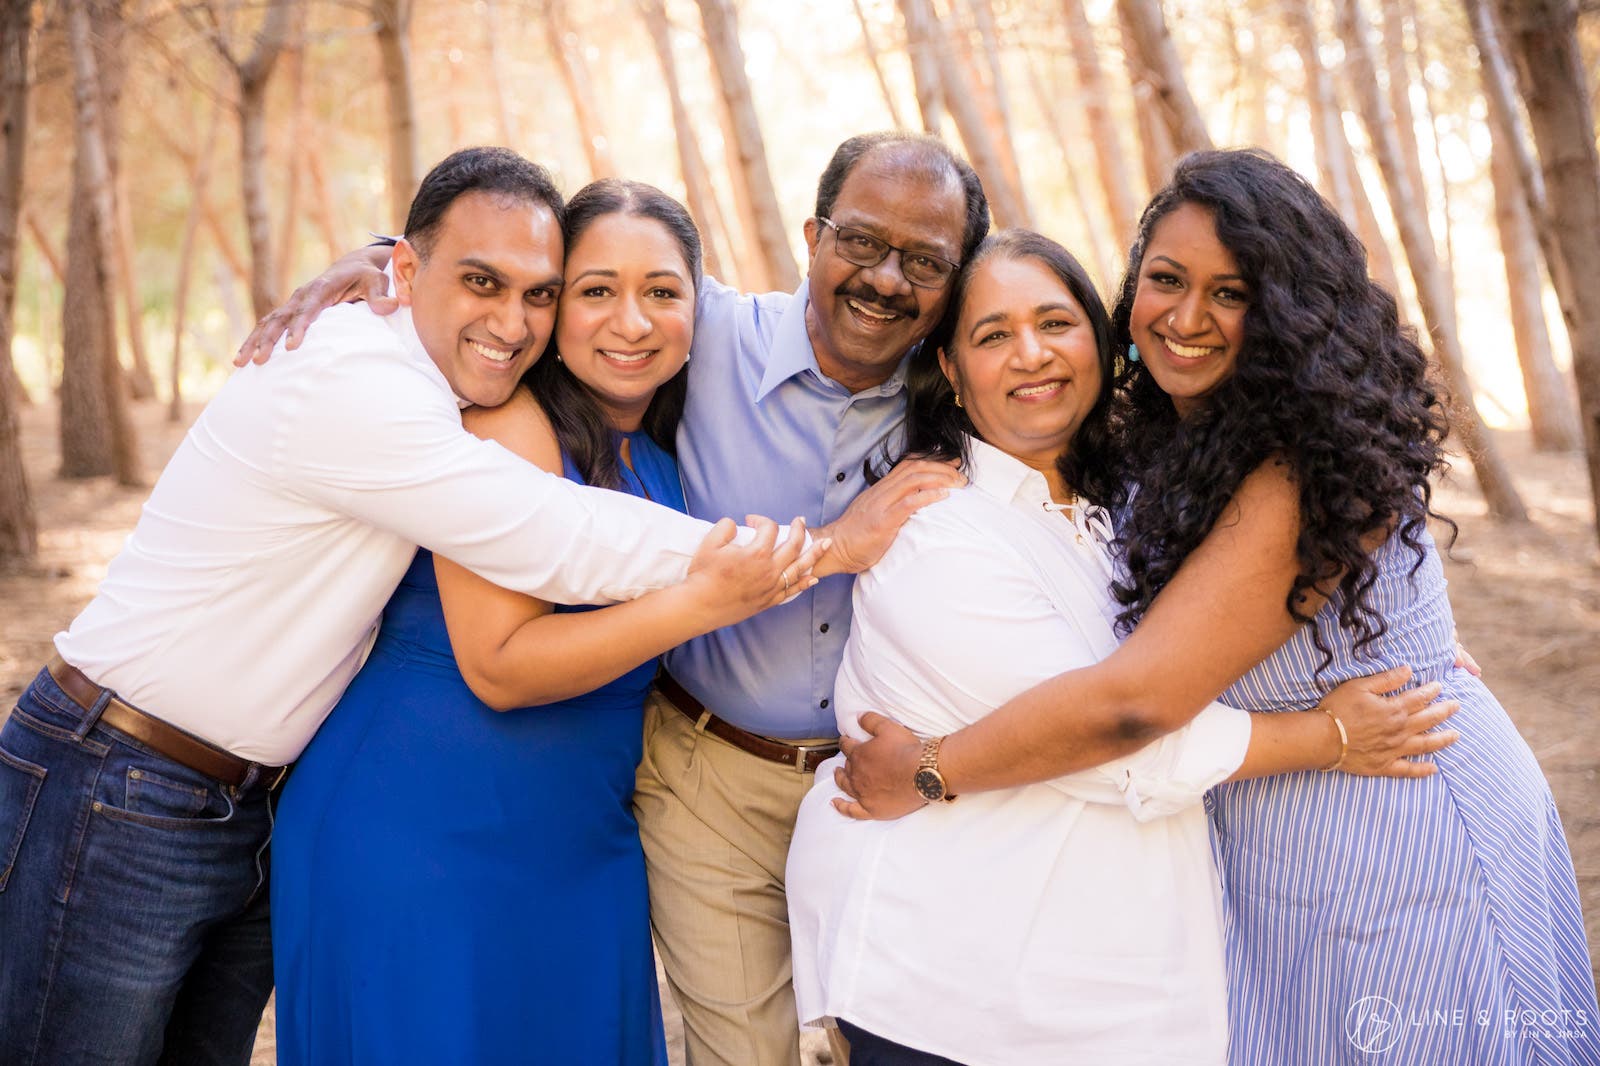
(350, 347)
(725, 306)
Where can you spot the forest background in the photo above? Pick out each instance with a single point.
(170, 169)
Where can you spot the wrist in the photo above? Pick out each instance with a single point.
(832, 561)
(1340, 737)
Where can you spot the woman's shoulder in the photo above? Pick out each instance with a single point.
(521, 426)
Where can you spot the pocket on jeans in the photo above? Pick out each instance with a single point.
(20, 782)
(160, 801)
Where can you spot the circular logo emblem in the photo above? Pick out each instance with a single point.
(1373, 1024)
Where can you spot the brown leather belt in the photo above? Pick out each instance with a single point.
(164, 738)
(803, 757)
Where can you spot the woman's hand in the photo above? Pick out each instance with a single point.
(356, 276)
(878, 772)
(1386, 731)
(731, 582)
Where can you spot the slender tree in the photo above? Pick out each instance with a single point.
(1161, 68)
(393, 20)
(141, 382)
(199, 178)
(1156, 149)
(1543, 37)
(19, 526)
(1122, 205)
(1433, 294)
(997, 105)
(41, 240)
(96, 253)
(750, 167)
(567, 48)
(1108, 260)
(877, 64)
(922, 51)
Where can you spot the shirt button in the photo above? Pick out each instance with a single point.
(839, 476)
(824, 704)
(823, 628)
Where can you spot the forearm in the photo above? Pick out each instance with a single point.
(1288, 743)
(557, 656)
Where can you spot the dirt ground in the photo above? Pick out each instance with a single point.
(1527, 602)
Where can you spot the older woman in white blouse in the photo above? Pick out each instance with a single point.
(1074, 921)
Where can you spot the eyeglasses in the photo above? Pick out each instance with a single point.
(856, 246)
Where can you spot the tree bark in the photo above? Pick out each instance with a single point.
(920, 26)
(1327, 123)
(141, 382)
(697, 186)
(394, 48)
(567, 49)
(750, 167)
(253, 73)
(97, 434)
(1543, 37)
(1122, 206)
(1436, 301)
(1156, 149)
(1107, 260)
(295, 164)
(877, 64)
(19, 525)
(1163, 71)
(998, 107)
(1551, 415)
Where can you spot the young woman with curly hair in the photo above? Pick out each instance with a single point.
(1278, 430)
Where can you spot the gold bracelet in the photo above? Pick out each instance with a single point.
(1344, 741)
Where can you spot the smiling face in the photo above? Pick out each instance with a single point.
(484, 299)
(1024, 361)
(1189, 306)
(863, 320)
(627, 313)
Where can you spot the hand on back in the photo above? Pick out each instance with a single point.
(356, 276)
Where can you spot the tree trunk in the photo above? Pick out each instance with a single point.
(998, 107)
(1551, 416)
(253, 74)
(1156, 149)
(697, 185)
(1434, 297)
(199, 177)
(101, 425)
(877, 64)
(1543, 36)
(1327, 123)
(19, 526)
(1122, 205)
(141, 382)
(394, 48)
(750, 168)
(567, 49)
(1163, 70)
(1394, 61)
(920, 26)
(41, 240)
(322, 201)
(296, 164)
(1107, 260)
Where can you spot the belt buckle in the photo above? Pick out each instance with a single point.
(801, 751)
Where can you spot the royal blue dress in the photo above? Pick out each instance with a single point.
(1412, 923)
(452, 884)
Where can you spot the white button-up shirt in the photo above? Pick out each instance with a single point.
(1073, 921)
(241, 605)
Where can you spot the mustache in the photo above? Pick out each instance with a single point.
(904, 306)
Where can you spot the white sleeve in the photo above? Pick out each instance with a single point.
(378, 441)
(970, 626)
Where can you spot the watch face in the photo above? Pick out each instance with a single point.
(929, 784)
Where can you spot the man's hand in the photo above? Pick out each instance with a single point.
(878, 773)
(868, 526)
(357, 276)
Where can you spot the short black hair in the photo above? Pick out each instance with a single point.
(499, 171)
(926, 149)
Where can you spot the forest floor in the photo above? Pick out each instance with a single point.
(1527, 603)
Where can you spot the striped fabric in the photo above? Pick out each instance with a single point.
(1378, 921)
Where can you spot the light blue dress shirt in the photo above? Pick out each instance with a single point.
(766, 432)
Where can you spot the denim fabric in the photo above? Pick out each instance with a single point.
(868, 1049)
(133, 905)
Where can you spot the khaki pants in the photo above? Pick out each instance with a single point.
(716, 823)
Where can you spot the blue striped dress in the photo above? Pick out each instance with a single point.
(1381, 921)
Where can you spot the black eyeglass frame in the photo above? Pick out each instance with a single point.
(885, 248)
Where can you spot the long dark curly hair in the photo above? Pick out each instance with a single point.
(936, 428)
(580, 426)
(1327, 381)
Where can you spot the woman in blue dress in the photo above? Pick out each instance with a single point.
(1429, 921)
(455, 884)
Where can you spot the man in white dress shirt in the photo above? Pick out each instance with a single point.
(136, 771)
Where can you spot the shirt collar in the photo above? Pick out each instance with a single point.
(1005, 477)
(791, 353)
(406, 329)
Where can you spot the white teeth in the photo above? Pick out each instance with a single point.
(493, 354)
(1186, 352)
(874, 315)
(622, 357)
(1036, 390)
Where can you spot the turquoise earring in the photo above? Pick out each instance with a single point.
(1133, 353)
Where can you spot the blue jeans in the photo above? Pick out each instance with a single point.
(133, 898)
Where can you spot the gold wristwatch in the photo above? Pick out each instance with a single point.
(929, 782)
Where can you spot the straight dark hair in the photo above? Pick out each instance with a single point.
(937, 429)
(498, 171)
(581, 428)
